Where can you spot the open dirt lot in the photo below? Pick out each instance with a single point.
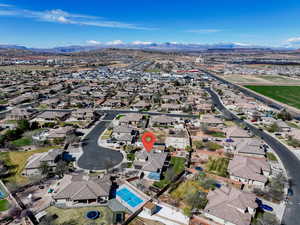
(261, 80)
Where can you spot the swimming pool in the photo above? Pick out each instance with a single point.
(129, 197)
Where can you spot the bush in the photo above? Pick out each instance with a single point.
(212, 146)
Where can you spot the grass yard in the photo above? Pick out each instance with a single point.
(107, 134)
(177, 165)
(289, 95)
(24, 141)
(4, 205)
(78, 214)
(217, 166)
(271, 156)
(17, 161)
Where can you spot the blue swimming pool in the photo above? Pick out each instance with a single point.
(129, 197)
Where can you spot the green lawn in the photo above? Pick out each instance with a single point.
(289, 95)
(17, 161)
(78, 214)
(271, 156)
(177, 164)
(24, 141)
(218, 166)
(4, 205)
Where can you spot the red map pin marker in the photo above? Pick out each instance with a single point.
(148, 140)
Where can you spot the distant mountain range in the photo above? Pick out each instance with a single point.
(167, 46)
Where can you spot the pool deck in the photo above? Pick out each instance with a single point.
(137, 193)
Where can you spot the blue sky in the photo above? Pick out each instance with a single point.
(37, 23)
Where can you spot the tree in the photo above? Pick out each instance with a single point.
(61, 168)
(188, 148)
(284, 115)
(267, 219)
(45, 169)
(23, 125)
(273, 128)
(197, 200)
(198, 144)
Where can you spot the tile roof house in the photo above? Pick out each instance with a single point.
(131, 119)
(162, 121)
(151, 164)
(53, 115)
(247, 170)
(246, 147)
(283, 127)
(60, 132)
(33, 163)
(237, 132)
(294, 133)
(230, 206)
(210, 120)
(83, 190)
(20, 114)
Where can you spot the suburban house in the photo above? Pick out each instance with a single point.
(246, 147)
(247, 170)
(131, 119)
(53, 116)
(34, 162)
(210, 120)
(162, 121)
(60, 133)
(84, 114)
(82, 190)
(151, 164)
(20, 114)
(230, 206)
(283, 127)
(294, 133)
(237, 132)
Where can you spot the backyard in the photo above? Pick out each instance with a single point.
(177, 166)
(217, 166)
(78, 215)
(4, 205)
(289, 95)
(16, 160)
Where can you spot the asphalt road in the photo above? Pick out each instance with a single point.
(96, 157)
(289, 160)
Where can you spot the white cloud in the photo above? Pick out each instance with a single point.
(60, 16)
(93, 42)
(294, 40)
(203, 31)
(115, 42)
(5, 5)
(141, 42)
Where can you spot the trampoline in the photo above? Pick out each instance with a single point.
(92, 215)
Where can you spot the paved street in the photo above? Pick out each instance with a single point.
(95, 157)
(289, 160)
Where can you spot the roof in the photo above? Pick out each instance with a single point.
(230, 205)
(81, 189)
(35, 160)
(133, 117)
(247, 167)
(237, 132)
(154, 160)
(162, 119)
(250, 146)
